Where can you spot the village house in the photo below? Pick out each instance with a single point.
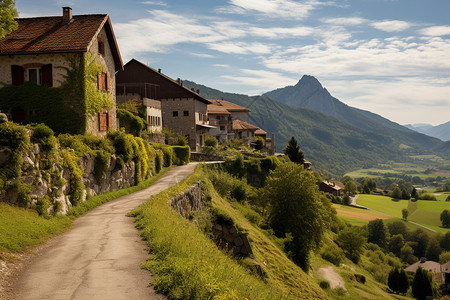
(221, 119)
(430, 266)
(331, 187)
(244, 131)
(42, 51)
(183, 110)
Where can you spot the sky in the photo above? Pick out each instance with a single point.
(391, 57)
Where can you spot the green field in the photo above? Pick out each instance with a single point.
(426, 213)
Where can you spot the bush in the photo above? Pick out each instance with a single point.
(102, 159)
(211, 141)
(324, 284)
(132, 124)
(45, 136)
(182, 154)
(42, 205)
(122, 144)
(333, 254)
(159, 161)
(427, 196)
(259, 143)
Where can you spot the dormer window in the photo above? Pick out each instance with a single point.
(101, 47)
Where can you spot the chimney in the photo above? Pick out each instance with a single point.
(159, 70)
(67, 14)
(179, 81)
(198, 91)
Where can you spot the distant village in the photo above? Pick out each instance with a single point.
(39, 51)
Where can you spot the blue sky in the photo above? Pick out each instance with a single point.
(391, 57)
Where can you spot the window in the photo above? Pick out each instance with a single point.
(101, 47)
(222, 128)
(186, 113)
(103, 81)
(175, 113)
(35, 75)
(105, 120)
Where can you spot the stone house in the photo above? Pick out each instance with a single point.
(430, 266)
(42, 50)
(183, 110)
(331, 187)
(221, 119)
(244, 131)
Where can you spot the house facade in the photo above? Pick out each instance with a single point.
(42, 50)
(183, 110)
(221, 119)
(331, 187)
(244, 131)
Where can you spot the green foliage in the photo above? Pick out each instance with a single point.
(168, 153)
(405, 213)
(122, 144)
(211, 141)
(378, 233)
(44, 135)
(444, 257)
(42, 205)
(182, 154)
(433, 250)
(236, 166)
(427, 196)
(421, 285)
(396, 193)
(367, 186)
(71, 162)
(396, 243)
(74, 142)
(445, 218)
(351, 240)
(259, 143)
(132, 124)
(102, 159)
(297, 207)
(333, 254)
(8, 14)
(159, 161)
(407, 254)
(16, 138)
(229, 186)
(293, 151)
(23, 192)
(324, 284)
(398, 281)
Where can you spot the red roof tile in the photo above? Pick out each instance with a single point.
(241, 125)
(217, 110)
(50, 35)
(229, 106)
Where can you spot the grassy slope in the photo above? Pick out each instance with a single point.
(21, 228)
(186, 263)
(427, 213)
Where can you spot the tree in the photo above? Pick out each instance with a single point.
(433, 250)
(8, 13)
(293, 151)
(405, 214)
(407, 254)
(421, 285)
(350, 187)
(445, 218)
(405, 195)
(414, 193)
(351, 240)
(398, 227)
(398, 281)
(378, 233)
(367, 185)
(259, 143)
(297, 207)
(396, 243)
(420, 239)
(396, 193)
(444, 257)
(445, 241)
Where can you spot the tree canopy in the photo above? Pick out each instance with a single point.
(8, 13)
(297, 207)
(378, 233)
(293, 151)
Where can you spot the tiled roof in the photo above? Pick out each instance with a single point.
(241, 125)
(427, 265)
(228, 105)
(259, 131)
(217, 110)
(50, 35)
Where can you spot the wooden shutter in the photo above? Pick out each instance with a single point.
(103, 121)
(17, 75)
(110, 119)
(47, 75)
(101, 81)
(107, 83)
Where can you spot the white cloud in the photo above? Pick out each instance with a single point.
(280, 32)
(240, 47)
(160, 3)
(202, 55)
(436, 31)
(352, 21)
(273, 8)
(391, 26)
(266, 80)
(221, 65)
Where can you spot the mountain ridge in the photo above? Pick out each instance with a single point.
(441, 131)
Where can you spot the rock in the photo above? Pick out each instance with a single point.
(39, 189)
(36, 149)
(238, 241)
(218, 227)
(28, 163)
(5, 154)
(112, 163)
(3, 118)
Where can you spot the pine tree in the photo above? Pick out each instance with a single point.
(421, 285)
(293, 151)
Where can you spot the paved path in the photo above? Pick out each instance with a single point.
(100, 256)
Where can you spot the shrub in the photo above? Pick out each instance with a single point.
(132, 124)
(70, 161)
(74, 142)
(333, 254)
(122, 144)
(259, 143)
(253, 166)
(42, 205)
(236, 166)
(182, 154)
(23, 192)
(16, 138)
(102, 159)
(211, 141)
(159, 161)
(324, 284)
(97, 142)
(427, 196)
(45, 136)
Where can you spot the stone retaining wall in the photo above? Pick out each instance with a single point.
(188, 201)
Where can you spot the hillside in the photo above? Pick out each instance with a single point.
(309, 93)
(441, 131)
(330, 144)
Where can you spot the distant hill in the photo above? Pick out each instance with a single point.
(331, 144)
(441, 132)
(309, 93)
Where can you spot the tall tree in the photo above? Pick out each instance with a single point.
(8, 13)
(445, 218)
(405, 214)
(421, 285)
(293, 151)
(378, 233)
(351, 240)
(297, 207)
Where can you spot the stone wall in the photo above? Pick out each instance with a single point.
(188, 201)
(53, 179)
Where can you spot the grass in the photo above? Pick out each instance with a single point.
(387, 205)
(187, 264)
(22, 228)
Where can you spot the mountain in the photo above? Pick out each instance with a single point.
(329, 143)
(441, 132)
(309, 93)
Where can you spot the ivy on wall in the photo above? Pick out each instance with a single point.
(67, 108)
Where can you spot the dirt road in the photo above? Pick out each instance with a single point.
(100, 257)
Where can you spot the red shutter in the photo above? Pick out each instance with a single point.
(107, 83)
(100, 81)
(102, 120)
(17, 75)
(47, 75)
